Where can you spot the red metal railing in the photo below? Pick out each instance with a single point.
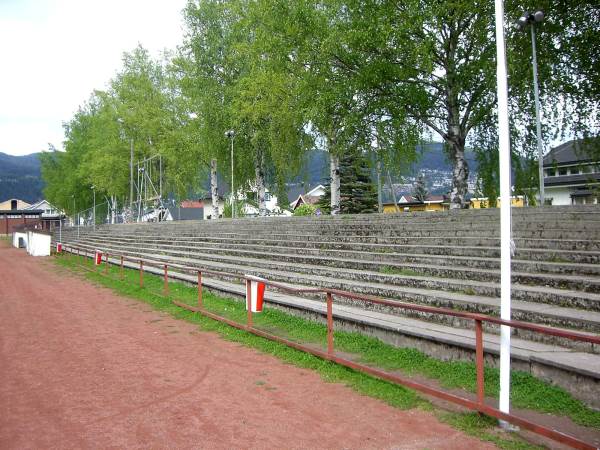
(478, 319)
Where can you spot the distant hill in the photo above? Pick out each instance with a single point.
(20, 178)
(431, 157)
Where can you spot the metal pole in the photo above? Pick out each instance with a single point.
(329, 323)
(505, 218)
(538, 124)
(131, 176)
(94, 190)
(232, 188)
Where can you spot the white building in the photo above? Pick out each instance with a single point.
(571, 175)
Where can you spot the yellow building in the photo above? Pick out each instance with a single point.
(13, 203)
(408, 203)
(517, 201)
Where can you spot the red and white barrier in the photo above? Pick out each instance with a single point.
(98, 258)
(257, 292)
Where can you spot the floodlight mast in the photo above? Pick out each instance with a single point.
(94, 213)
(531, 19)
(231, 134)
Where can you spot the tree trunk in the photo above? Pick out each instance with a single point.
(392, 191)
(260, 184)
(455, 138)
(214, 192)
(334, 173)
(460, 174)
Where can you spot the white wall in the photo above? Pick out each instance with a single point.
(16, 236)
(38, 244)
(560, 195)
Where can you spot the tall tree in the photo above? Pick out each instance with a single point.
(434, 61)
(420, 190)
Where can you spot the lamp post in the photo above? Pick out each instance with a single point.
(94, 214)
(231, 134)
(121, 121)
(531, 19)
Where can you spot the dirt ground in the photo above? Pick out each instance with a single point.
(83, 368)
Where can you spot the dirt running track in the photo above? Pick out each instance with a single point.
(83, 368)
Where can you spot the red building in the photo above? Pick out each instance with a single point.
(11, 218)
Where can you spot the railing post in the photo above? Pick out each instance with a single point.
(141, 274)
(249, 302)
(329, 323)
(106, 263)
(166, 287)
(122, 273)
(479, 362)
(199, 289)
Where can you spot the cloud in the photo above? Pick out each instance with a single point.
(54, 53)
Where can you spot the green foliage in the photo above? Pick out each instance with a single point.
(305, 210)
(357, 192)
(420, 192)
(342, 75)
(239, 209)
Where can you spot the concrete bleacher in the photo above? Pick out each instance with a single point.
(447, 259)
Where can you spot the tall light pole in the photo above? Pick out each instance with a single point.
(121, 121)
(131, 174)
(531, 19)
(231, 134)
(94, 215)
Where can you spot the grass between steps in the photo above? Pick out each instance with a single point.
(526, 391)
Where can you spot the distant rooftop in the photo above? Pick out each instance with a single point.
(572, 152)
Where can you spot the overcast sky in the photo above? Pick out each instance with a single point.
(53, 53)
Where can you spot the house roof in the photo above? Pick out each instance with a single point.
(294, 191)
(192, 204)
(22, 211)
(564, 180)
(41, 205)
(572, 152)
(186, 213)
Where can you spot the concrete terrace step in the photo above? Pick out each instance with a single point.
(541, 294)
(552, 315)
(383, 251)
(440, 266)
(200, 232)
(384, 232)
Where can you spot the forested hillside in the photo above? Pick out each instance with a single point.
(20, 178)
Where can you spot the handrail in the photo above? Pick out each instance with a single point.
(478, 319)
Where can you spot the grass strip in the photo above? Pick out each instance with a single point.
(526, 391)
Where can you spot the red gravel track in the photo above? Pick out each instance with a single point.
(83, 368)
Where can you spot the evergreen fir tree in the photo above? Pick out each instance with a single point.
(420, 191)
(357, 191)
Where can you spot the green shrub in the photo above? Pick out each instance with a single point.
(305, 210)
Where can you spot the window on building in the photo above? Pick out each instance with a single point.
(13, 204)
(562, 171)
(550, 172)
(267, 196)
